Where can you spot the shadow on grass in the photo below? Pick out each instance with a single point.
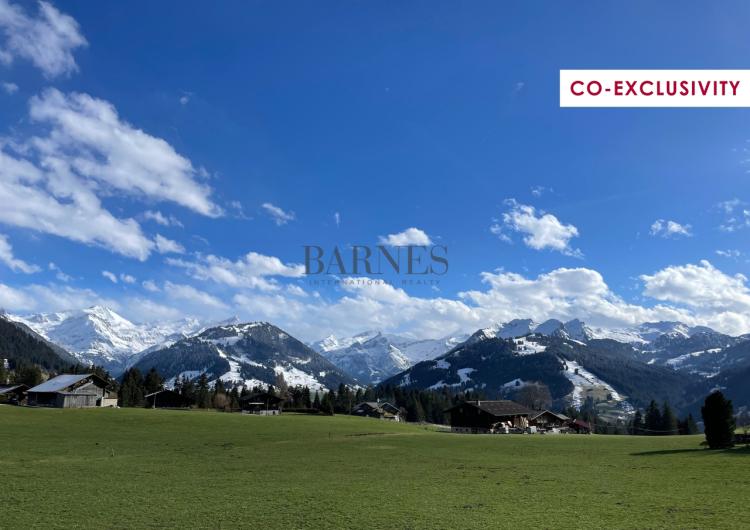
(735, 451)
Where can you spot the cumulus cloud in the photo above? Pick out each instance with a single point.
(279, 216)
(111, 276)
(127, 278)
(113, 153)
(540, 230)
(53, 183)
(667, 229)
(253, 270)
(410, 236)
(167, 246)
(15, 264)
(729, 253)
(47, 39)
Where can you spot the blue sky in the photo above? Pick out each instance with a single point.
(182, 120)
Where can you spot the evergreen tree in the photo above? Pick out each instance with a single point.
(653, 421)
(718, 419)
(202, 394)
(316, 402)
(690, 426)
(28, 374)
(668, 420)
(131, 393)
(3, 372)
(153, 382)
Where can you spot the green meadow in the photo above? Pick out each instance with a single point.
(137, 468)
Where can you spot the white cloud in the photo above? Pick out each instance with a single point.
(167, 246)
(337, 219)
(190, 294)
(10, 88)
(736, 215)
(253, 271)
(729, 253)
(410, 236)
(50, 298)
(47, 39)
(279, 216)
(127, 278)
(53, 184)
(184, 99)
(541, 230)
(111, 276)
(59, 274)
(701, 286)
(666, 229)
(160, 218)
(150, 286)
(91, 140)
(15, 264)
(538, 191)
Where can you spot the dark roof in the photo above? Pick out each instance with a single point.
(503, 407)
(561, 417)
(582, 423)
(7, 389)
(61, 382)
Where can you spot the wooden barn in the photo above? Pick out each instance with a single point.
(71, 391)
(262, 404)
(546, 420)
(165, 399)
(580, 427)
(483, 417)
(14, 394)
(378, 409)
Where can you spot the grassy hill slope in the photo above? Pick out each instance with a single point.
(140, 468)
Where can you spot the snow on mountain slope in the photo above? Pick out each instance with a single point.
(372, 356)
(98, 335)
(248, 354)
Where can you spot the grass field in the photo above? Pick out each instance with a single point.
(131, 468)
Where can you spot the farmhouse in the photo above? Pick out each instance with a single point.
(547, 420)
(165, 399)
(482, 417)
(262, 404)
(72, 391)
(376, 409)
(13, 393)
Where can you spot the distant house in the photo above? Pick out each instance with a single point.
(378, 409)
(482, 417)
(580, 427)
(262, 404)
(546, 420)
(13, 393)
(72, 391)
(165, 399)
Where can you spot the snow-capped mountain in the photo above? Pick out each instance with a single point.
(98, 335)
(372, 356)
(247, 354)
(573, 329)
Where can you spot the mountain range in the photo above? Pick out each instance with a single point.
(618, 368)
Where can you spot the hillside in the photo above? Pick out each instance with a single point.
(247, 354)
(20, 345)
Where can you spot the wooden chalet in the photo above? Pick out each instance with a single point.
(262, 404)
(72, 391)
(547, 420)
(15, 394)
(483, 417)
(165, 399)
(377, 409)
(580, 427)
